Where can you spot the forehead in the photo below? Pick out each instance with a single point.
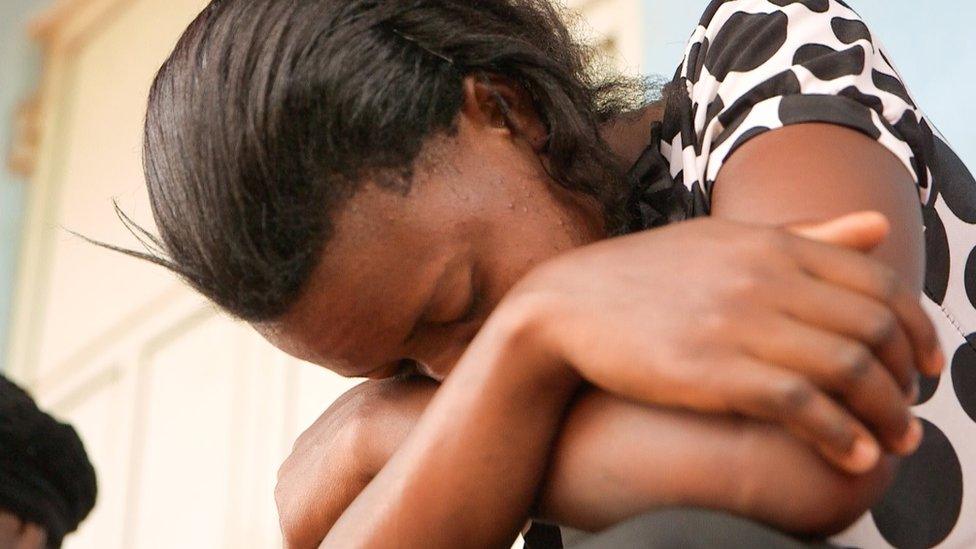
(387, 252)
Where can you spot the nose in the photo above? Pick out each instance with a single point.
(437, 366)
(437, 355)
(407, 367)
(435, 373)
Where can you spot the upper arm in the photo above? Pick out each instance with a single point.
(668, 458)
(616, 459)
(812, 172)
(793, 112)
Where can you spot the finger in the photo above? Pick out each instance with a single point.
(10, 522)
(765, 392)
(862, 231)
(841, 367)
(848, 313)
(872, 278)
(32, 536)
(10, 527)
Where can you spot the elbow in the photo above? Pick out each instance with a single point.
(791, 488)
(843, 499)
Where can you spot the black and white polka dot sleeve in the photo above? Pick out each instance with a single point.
(756, 65)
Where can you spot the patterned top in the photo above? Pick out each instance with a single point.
(752, 66)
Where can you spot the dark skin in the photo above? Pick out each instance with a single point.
(18, 534)
(489, 272)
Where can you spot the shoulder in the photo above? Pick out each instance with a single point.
(740, 36)
(752, 66)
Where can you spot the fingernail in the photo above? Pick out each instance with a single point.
(912, 439)
(865, 455)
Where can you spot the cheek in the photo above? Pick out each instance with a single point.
(523, 243)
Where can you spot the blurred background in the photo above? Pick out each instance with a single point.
(186, 414)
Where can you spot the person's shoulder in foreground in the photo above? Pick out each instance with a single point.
(47, 483)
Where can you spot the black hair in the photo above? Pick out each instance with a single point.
(269, 114)
(45, 475)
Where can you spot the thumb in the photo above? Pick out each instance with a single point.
(862, 231)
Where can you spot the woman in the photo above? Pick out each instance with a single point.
(423, 192)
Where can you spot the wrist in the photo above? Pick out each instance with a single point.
(520, 333)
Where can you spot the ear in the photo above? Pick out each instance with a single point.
(499, 102)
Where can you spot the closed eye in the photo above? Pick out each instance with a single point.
(471, 310)
(450, 306)
(401, 368)
(406, 368)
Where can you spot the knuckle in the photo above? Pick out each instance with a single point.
(283, 473)
(882, 327)
(771, 242)
(286, 514)
(776, 239)
(760, 242)
(853, 363)
(841, 435)
(889, 283)
(284, 490)
(715, 323)
(745, 285)
(279, 492)
(791, 395)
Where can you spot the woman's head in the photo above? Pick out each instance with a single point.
(333, 170)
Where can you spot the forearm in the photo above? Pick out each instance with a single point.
(616, 459)
(469, 471)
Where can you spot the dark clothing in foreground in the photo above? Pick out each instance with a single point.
(45, 475)
(692, 529)
(676, 528)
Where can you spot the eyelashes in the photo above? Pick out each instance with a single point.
(449, 310)
(406, 368)
(473, 306)
(454, 312)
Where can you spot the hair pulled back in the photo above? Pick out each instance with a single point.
(269, 114)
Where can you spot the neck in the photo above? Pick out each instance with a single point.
(629, 134)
